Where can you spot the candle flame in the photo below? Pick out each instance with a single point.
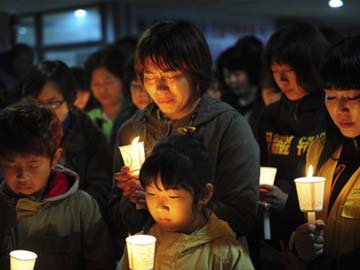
(135, 140)
(310, 171)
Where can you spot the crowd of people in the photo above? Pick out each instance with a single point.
(67, 194)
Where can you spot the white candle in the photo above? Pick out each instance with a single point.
(310, 190)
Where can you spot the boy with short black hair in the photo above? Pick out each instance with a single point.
(54, 219)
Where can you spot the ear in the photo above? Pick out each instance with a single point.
(207, 194)
(57, 156)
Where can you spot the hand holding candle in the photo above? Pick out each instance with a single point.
(133, 156)
(310, 190)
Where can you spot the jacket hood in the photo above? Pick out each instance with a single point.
(27, 206)
(208, 109)
(214, 229)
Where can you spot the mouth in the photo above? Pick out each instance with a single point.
(163, 220)
(346, 124)
(23, 189)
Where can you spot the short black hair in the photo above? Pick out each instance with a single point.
(301, 46)
(180, 162)
(56, 72)
(27, 127)
(340, 70)
(340, 67)
(176, 45)
(245, 55)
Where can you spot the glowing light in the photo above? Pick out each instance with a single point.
(135, 140)
(310, 171)
(336, 3)
(80, 13)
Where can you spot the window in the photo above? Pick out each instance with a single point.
(74, 26)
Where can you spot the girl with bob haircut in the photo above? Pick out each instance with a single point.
(333, 241)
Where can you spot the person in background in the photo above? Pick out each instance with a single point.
(286, 128)
(105, 75)
(85, 149)
(139, 97)
(54, 219)
(214, 89)
(127, 45)
(333, 242)
(177, 181)
(176, 77)
(84, 98)
(15, 65)
(241, 70)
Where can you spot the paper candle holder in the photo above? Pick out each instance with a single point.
(310, 192)
(22, 260)
(141, 251)
(267, 175)
(133, 155)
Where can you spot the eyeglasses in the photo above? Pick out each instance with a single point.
(54, 104)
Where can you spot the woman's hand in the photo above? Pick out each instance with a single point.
(272, 197)
(131, 187)
(309, 240)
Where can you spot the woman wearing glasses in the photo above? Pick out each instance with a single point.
(85, 148)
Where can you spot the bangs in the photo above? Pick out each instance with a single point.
(174, 174)
(341, 68)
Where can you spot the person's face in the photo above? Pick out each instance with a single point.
(172, 209)
(285, 77)
(82, 98)
(171, 90)
(139, 96)
(51, 96)
(344, 109)
(27, 174)
(106, 87)
(270, 95)
(238, 81)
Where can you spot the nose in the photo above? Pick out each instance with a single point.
(161, 204)
(341, 104)
(21, 176)
(161, 84)
(283, 77)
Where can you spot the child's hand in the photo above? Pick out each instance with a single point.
(126, 181)
(309, 240)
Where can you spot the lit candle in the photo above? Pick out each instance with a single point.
(22, 260)
(310, 190)
(267, 177)
(141, 251)
(133, 155)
